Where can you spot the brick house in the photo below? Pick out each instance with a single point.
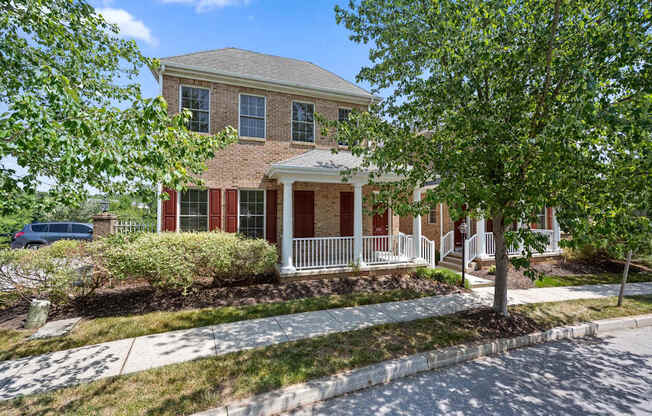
(281, 181)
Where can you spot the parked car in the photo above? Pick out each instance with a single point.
(38, 234)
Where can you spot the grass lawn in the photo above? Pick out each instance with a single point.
(14, 343)
(590, 279)
(198, 385)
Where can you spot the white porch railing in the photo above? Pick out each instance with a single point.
(470, 249)
(447, 244)
(385, 249)
(490, 244)
(321, 252)
(324, 252)
(428, 251)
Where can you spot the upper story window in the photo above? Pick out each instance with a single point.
(197, 101)
(252, 116)
(303, 122)
(343, 115)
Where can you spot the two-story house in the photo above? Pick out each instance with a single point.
(281, 181)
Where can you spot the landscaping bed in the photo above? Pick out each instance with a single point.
(137, 299)
(572, 273)
(205, 383)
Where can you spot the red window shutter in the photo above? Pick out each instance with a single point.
(346, 214)
(270, 220)
(549, 215)
(170, 211)
(231, 211)
(215, 202)
(304, 214)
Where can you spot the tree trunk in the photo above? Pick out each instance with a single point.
(622, 283)
(502, 262)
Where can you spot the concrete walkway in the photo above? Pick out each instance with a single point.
(63, 368)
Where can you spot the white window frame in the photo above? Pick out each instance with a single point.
(181, 86)
(344, 146)
(544, 224)
(264, 237)
(314, 134)
(262, 139)
(208, 213)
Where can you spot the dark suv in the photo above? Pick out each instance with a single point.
(38, 234)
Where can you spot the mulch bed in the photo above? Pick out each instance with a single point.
(140, 298)
(516, 279)
(492, 325)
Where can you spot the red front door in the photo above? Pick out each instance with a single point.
(380, 226)
(304, 214)
(456, 229)
(346, 214)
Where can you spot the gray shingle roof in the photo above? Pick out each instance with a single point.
(322, 159)
(247, 64)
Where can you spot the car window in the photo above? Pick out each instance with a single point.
(40, 228)
(81, 228)
(58, 228)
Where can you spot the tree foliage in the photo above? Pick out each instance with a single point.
(500, 102)
(76, 116)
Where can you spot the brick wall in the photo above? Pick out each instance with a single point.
(429, 230)
(244, 164)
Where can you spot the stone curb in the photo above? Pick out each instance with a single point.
(303, 394)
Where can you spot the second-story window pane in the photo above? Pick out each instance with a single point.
(252, 116)
(303, 122)
(197, 101)
(343, 115)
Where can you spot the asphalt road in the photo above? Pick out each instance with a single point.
(610, 375)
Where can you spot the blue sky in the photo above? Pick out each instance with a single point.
(296, 29)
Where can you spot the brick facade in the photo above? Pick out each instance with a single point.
(243, 165)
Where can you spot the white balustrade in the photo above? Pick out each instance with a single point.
(447, 244)
(490, 243)
(470, 249)
(129, 226)
(318, 252)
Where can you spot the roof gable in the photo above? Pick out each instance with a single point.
(262, 67)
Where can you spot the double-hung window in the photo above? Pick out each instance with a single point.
(342, 116)
(252, 213)
(303, 122)
(252, 116)
(197, 101)
(194, 210)
(541, 219)
(432, 216)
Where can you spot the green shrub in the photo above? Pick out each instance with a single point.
(177, 260)
(492, 269)
(441, 275)
(56, 272)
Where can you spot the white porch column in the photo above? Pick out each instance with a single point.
(357, 224)
(556, 232)
(480, 226)
(286, 248)
(416, 227)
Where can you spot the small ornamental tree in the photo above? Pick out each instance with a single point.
(74, 114)
(612, 208)
(510, 93)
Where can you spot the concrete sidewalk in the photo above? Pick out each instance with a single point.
(63, 368)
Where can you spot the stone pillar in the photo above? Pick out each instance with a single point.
(287, 265)
(416, 227)
(357, 224)
(104, 224)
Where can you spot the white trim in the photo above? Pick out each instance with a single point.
(209, 104)
(264, 138)
(192, 72)
(159, 208)
(314, 133)
(264, 209)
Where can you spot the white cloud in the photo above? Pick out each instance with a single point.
(128, 24)
(206, 5)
